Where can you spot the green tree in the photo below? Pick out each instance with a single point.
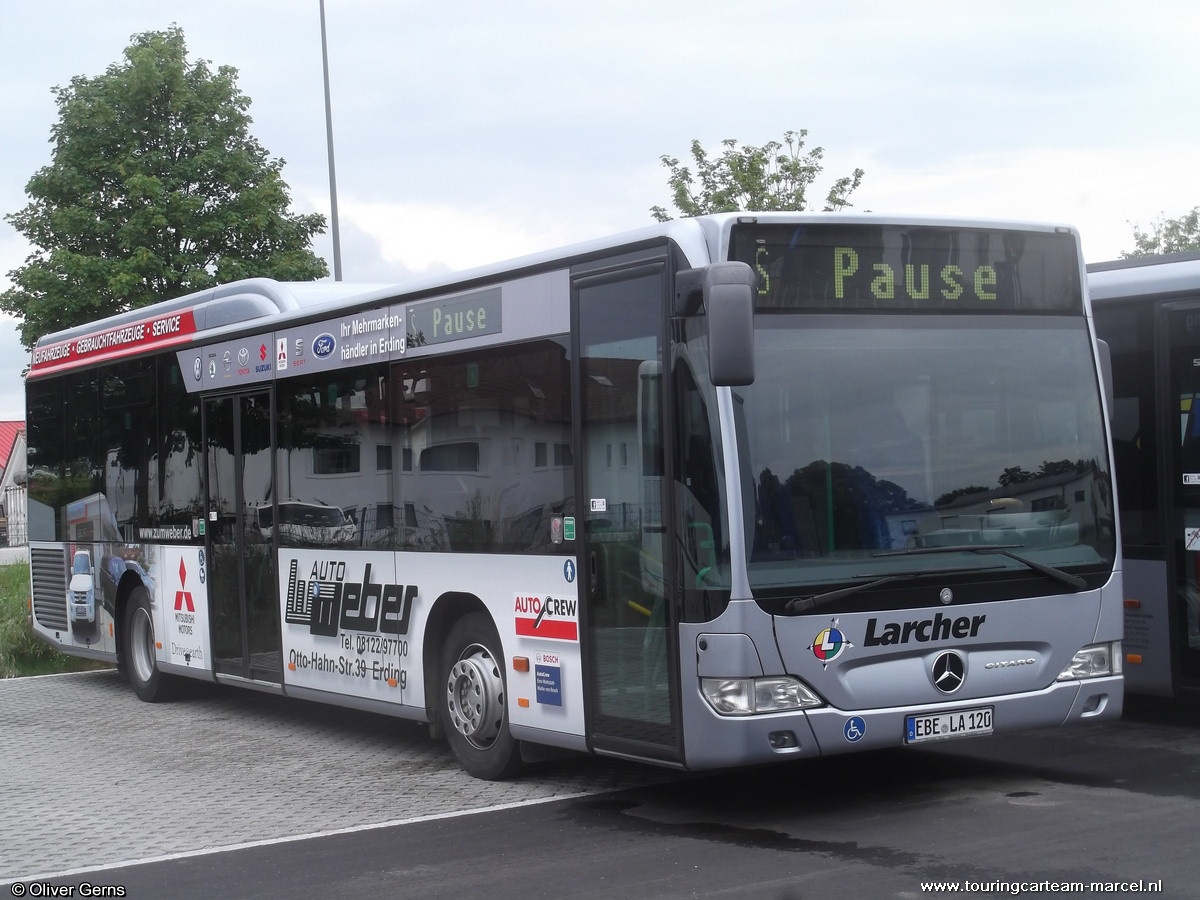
(773, 176)
(1167, 236)
(155, 189)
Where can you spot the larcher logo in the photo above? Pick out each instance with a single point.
(829, 644)
(939, 628)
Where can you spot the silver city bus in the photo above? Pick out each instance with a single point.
(1147, 309)
(728, 490)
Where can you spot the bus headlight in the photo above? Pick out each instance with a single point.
(1094, 661)
(751, 696)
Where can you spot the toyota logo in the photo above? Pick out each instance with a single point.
(949, 671)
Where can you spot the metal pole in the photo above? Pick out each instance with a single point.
(333, 209)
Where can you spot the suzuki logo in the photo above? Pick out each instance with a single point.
(949, 672)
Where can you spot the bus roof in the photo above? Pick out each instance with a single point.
(1169, 273)
(246, 304)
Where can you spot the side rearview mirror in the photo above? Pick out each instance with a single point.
(725, 291)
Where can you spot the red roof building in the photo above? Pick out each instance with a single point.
(8, 437)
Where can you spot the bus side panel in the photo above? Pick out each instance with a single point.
(178, 589)
(354, 624)
(1147, 627)
(71, 609)
(79, 587)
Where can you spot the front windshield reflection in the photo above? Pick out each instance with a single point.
(865, 440)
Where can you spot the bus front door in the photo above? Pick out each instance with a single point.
(630, 652)
(245, 618)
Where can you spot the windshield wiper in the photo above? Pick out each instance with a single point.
(1066, 578)
(798, 605)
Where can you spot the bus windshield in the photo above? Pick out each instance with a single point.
(866, 437)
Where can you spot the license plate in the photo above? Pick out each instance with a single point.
(950, 724)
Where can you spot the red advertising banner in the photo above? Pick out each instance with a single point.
(135, 337)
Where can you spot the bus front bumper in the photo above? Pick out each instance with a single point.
(715, 741)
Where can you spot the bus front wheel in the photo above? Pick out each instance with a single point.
(141, 661)
(475, 701)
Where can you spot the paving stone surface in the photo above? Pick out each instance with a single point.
(91, 776)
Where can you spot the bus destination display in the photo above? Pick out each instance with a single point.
(899, 267)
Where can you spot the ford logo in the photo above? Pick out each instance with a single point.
(323, 345)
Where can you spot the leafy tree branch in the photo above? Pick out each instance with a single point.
(775, 176)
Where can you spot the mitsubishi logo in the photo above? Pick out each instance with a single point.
(183, 597)
(949, 671)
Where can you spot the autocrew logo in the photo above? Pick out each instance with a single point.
(323, 597)
(546, 617)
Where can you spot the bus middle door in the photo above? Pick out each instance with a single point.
(241, 567)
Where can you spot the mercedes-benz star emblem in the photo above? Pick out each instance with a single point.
(949, 670)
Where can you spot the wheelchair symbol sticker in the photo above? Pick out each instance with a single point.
(855, 729)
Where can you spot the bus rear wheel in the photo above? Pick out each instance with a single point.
(141, 660)
(475, 700)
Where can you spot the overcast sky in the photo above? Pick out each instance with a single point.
(469, 131)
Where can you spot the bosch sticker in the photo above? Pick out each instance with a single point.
(548, 679)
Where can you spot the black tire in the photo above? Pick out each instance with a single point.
(474, 700)
(140, 662)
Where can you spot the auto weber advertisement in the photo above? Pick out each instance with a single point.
(347, 622)
(354, 624)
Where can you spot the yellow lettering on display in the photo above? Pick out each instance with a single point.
(883, 285)
(917, 292)
(845, 264)
(950, 283)
(953, 289)
(458, 322)
(765, 289)
(985, 276)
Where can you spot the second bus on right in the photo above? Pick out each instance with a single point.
(1147, 309)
